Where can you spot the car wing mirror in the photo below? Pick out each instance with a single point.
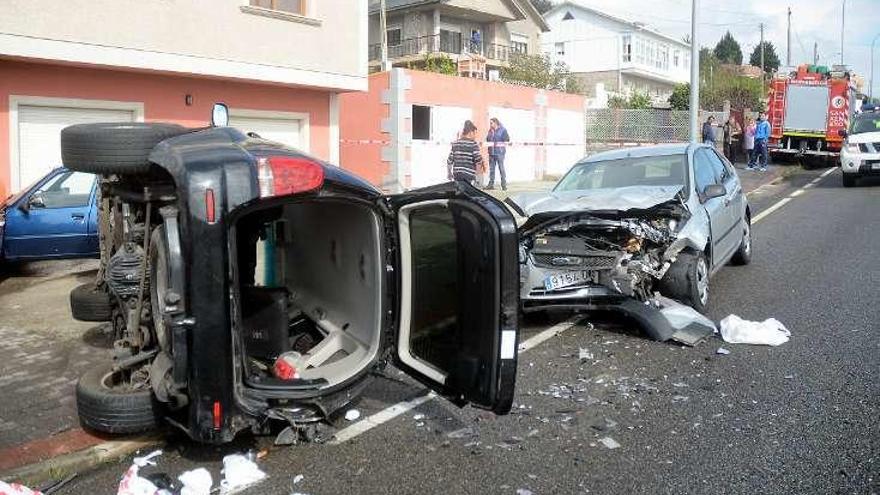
(841, 133)
(220, 115)
(713, 191)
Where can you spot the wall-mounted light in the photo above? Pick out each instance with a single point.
(189, 100)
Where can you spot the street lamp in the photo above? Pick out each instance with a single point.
(842, 24)
(695, 73)
(871, 89)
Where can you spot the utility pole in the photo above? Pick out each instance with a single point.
(871, 89)
(842, 25)
(815, 53)
(383, 36)
(762, 54)
(788, 43)
(695, 73)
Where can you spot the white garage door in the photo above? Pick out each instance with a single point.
(282, 130)
(39, 136)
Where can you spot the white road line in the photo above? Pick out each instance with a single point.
(779, 204)
(396, 410)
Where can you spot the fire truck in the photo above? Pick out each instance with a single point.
(807, 111)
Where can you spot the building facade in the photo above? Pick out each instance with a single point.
(624, 56)
(493, 30)
(63, 63)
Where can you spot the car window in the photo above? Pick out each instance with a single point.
(662, 170)
(67, 190)
(865, 123)
(704, 173)
(721, 171)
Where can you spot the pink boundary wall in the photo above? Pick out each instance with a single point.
(375, 127)
(162, 97)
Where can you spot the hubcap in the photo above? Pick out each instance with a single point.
(747, 239)
(703, 281)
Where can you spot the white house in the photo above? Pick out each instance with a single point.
(622, 55)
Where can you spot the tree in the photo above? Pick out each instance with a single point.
(740, 91)
(635, 101)
(727, 51)
(680, 99)
(538, 71)
(542, 5)
(771, 60)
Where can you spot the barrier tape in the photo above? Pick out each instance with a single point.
(481, 143)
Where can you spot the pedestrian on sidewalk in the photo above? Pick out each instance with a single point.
(749, 143)
(709, 131)
(498, 137)
(732, 134)
(465, 158)
(762, 135)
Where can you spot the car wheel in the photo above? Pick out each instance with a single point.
(88, 303)
(106, 402)
(687, 280)
(117, 148)
(849, 180)
(743, 255)
(159, 282)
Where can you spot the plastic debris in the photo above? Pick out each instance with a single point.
(768, 332)
(239, 472)
(585, 355)
(419, 417)
(133, 484)
(298, 478)
(462, 433)
(722, 351)
(609, 443)
(196, 482)
(287, 366)
(352, 415)
(16, 489)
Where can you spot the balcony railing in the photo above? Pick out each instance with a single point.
(452, 45)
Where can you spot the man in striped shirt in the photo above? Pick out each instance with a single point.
(465, 156)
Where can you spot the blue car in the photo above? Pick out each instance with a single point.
(54, 218)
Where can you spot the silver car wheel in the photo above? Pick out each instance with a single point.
(702, 280)
(747, 238)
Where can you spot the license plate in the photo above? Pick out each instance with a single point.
(567, 279)
(875, 166)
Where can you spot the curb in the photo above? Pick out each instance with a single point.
(63, 465)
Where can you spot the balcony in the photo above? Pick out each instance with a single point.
(414, 49)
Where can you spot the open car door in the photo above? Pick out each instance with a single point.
(458, 294)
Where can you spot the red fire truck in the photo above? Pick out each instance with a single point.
(807, 111)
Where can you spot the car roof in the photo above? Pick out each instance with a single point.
(640, 151)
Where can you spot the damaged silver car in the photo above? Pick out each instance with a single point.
(624, 225)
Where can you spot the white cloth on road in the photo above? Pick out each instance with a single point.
(768, 332)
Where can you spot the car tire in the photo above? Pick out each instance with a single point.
(121, 148)
(108, 409)
(743, 255)
(687, 280)
(849, 180)
(87, 303)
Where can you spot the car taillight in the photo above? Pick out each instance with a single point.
(218, 415)
(283, 175)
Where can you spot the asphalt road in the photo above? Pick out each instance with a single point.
(799, 418)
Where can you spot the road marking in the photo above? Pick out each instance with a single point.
(779, 204)
(391, 412)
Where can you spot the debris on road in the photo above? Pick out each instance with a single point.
(419, 417)
(16, 489)
(771, 332)
(196, 482)
(133, 484)
(722, 351)
(239, 472)
(609, 443)
(352, 414)
(585, 355)
(523, 491)
(465, 432)
(690, 327)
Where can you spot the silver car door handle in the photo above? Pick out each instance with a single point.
(78, 216)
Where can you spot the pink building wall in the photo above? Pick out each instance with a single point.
(163, 97)
(375, 127)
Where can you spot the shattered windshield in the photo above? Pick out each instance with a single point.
(865, 123)
(662, 170)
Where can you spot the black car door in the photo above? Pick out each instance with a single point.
(458, 293)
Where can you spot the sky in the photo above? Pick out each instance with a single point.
(812, 21)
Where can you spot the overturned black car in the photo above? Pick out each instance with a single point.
(245, 281)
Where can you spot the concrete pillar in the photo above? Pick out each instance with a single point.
(398, 128)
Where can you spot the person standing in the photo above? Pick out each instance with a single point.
(762, 135)
(498, 139)
(732, 134)
(464, 158)
(749, 143)
(709, 131)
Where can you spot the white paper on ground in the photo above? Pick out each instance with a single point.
(132, 483)
(196, 482)
(239, 472)
(768, 332)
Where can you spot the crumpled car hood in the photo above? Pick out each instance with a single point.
(610, 199)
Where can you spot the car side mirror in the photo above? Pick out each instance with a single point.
(841, 132)
(220, 115)
(714, 191)
(36, 201)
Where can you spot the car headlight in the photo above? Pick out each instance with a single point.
(852, 148)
